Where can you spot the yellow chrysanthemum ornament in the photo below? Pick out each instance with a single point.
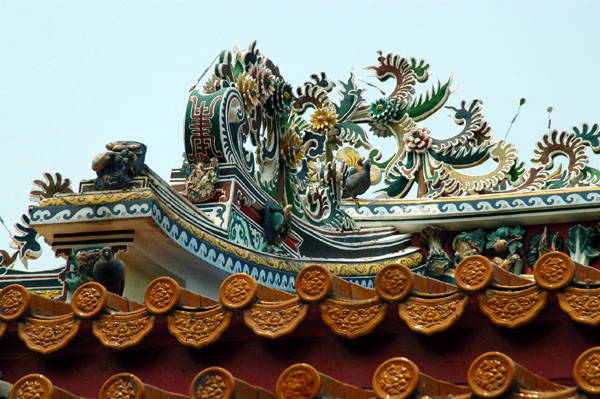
(323, 119)
(249, 91)
(291, 147)
(351, 157)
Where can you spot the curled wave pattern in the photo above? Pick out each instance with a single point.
(218, 258)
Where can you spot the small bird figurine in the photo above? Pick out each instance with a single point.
(110, 272)
(277, 221)
(358, 183)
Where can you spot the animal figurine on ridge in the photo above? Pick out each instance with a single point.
(115, 167)
(110, 272)
(277, 221)
(359, 182)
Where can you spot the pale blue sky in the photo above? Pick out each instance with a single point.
(75, 75)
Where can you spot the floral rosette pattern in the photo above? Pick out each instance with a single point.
(162, 295)
(383, 110)
(396, 378)
(238, 291)
(553, 270)
(280, 102)
(89, 300)
(394, 282)
(213, 383)
(491, 375)
(122, 386)
(299, 381)
(249, 90)
(586, 371)
(14, 302)
(292, 148)
(123, 329)
(419, 140)
(274, 320)
(323, 119)
(313, 283)
(264, 79)
(48, 335)
(512, 308)
(32, 386)
(474, 273)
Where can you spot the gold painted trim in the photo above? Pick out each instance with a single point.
(85, 199)
(424, 201)
(339, 269)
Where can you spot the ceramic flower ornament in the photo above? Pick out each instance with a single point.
(383, 110)
(249, 90)
(323, 119)
(291, 147)
(419, 140)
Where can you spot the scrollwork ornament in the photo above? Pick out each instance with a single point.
(352, 319)
(121, 330)
(198, 329)
(553, 270)
(162, 295)
(432, 315)
(238, 291)
(474, 273)
(274, 320)
(48, 334)
(14, 302)
(586, 371)
(299, 381)
(396, 378)
(512, 309)
(313, 283)
(89, 300)
(49, 188)
(491, 375)
(394, 282)
(32, 386)
(583, 305)
(122, 386)
(212, 383)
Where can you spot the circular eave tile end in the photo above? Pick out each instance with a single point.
(491, 375)
(586, 371)
(14, 302)
(396, 378)
(89, 300)
(214, 383)
(299, 381)
(394, 282)
(553, 270)
(474, 273)
(314, 283)
(162, 295)
(238, 291)
(122, 386)
(32, 385)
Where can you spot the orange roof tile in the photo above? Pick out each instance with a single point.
(426, 305)
(491, 375)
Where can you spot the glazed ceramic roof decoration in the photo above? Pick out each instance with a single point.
(491, 375)
(254, 229)
(427, 306)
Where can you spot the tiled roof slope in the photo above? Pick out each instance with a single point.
(426, 305)
(491, 375)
